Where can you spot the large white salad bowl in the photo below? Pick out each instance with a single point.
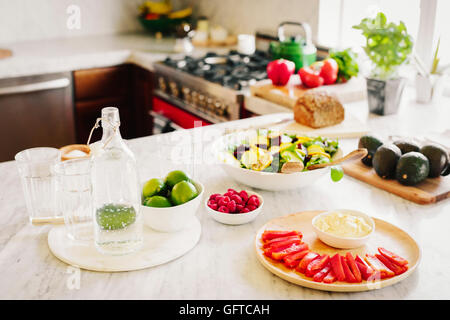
(262, 180)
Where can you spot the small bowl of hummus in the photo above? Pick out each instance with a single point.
(343, 229)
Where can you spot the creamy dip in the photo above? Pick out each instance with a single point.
(343, 225)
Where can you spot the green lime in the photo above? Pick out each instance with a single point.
(336, 173)
(153, 187)
(158, 202)
(176, 176)
(115, 216)
(182, 192)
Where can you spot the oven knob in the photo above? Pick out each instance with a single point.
(174, 88)
(194, 95)
(186, 94)
(218, 108)
(201, 101)
(162, 84)
(210, 104)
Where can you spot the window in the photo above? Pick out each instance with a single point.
(336, 18)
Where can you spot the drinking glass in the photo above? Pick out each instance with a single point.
(74, 191)
(38, 182)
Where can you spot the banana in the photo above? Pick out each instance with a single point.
(158, 7)
(180, 13)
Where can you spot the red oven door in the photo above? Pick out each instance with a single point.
(182, 118)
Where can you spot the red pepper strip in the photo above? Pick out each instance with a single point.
(377, 265)
(393, 257)
(319, 276)
(353, 267)
(305, 261)
(394, 267)
(269, 234)
(330, 277)
(292, 249)
(276, 240)
(316, 265)
(336, 264)
(293, 259)
(366, 271)
(349, 277)
(278, 246)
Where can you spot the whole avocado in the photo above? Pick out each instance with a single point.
(407, 146)
(385, 160)
(438, 158)
(412, 168)
(371, 143)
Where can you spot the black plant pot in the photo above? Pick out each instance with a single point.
(384, 96)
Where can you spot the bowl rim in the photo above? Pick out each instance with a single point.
(368, 219)
(339, 151)
(237, 214)
(181, 205)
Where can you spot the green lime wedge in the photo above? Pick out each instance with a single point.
(115, 216)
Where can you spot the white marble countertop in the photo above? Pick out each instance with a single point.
(223, 265)
(58, 55)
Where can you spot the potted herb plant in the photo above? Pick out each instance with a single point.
(388, 46)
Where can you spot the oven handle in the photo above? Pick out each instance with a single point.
(157, 115)
(38, 86)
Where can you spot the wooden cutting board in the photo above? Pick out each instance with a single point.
(353, 90)
(429, 191)
(386, 235)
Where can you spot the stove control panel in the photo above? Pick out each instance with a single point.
(203, 103)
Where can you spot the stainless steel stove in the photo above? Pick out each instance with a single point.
(210, 87)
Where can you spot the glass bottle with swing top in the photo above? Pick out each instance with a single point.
(115, 190)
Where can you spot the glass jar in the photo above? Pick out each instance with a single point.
(115, 191)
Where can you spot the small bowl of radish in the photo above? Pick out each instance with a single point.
(233, 207)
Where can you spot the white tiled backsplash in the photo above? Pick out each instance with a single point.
(249, 16)
(22, 20)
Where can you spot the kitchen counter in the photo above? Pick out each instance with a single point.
(59, 55)
(224, 265)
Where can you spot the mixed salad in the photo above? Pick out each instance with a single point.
(268, 150)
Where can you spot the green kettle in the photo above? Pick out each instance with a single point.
(297, 49)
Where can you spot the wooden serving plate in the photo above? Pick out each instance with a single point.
(430, 190)
(386, 235)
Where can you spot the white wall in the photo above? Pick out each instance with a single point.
(22, 20)
(248, 16)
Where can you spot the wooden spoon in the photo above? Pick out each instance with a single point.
(291, 167)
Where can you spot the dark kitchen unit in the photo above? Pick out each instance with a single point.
(35, 111)
(209, 89)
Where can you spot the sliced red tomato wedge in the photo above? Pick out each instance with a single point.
(353, 267)
(316, 265)
(272, 234)
(377, 265)
(349, 277)
(293, 259)
(310, 256)
(319, 276)
(392, 266)
(276, 240)
(336, 264)
(330, 277)
(292, 249)
(393, 257)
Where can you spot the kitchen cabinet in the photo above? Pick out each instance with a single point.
(35, 111)
(127, 87)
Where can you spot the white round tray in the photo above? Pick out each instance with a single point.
(158, 248)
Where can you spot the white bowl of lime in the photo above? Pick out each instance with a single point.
(162, 214)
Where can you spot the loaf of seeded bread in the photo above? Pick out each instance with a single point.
(318, 109)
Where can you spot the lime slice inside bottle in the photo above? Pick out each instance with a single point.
(115, 216)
